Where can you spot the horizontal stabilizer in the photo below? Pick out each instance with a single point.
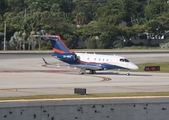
(52, 64)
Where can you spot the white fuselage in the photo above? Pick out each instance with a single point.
(107, 59)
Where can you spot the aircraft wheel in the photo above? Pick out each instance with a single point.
(128, 74)
(81, 72)
(92, 71)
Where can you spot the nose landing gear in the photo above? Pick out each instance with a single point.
(128, 72)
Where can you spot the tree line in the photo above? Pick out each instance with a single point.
(98, 22)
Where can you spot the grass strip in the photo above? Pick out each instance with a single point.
(56, 96)
(164, 66)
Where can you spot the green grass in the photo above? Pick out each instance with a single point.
(130, 94)
(164, 66)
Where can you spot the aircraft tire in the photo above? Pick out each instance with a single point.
(92, 71)
(128, 74)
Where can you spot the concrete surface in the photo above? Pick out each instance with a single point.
(25, 74)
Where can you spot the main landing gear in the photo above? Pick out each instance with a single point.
(92, 71)
(83, 71)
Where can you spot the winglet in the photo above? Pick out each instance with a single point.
(45, 61)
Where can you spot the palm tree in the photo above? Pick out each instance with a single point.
(80, 18)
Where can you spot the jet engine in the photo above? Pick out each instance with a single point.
(75, 57)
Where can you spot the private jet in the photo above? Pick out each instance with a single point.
(87, 61)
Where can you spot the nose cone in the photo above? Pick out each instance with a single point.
(132, 66)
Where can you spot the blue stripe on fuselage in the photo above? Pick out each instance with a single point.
(66, 57)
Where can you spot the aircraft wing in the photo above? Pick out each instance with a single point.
(54, 64)
(86, 66)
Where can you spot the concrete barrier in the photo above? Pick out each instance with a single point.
(86, 109)
(81, 91)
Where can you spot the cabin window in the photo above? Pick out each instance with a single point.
(103, 59)
(94, 58)
(99, 59)
(107, 60)
(87, 58)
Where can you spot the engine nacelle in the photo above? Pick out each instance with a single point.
(75, 57)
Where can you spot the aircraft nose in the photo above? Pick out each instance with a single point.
(133, 66)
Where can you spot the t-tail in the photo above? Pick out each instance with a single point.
(61, 51)
(58, 45)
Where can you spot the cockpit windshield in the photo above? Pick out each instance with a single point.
(121, 60)
(124, 60)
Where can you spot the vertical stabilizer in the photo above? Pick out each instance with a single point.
(58, 45)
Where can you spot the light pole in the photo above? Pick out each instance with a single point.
(4, 35)
(24, 35)
(28, 8)
(26, 21)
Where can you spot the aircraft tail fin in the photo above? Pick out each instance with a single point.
(58, 45)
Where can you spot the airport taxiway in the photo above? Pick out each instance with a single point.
(24, 74)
